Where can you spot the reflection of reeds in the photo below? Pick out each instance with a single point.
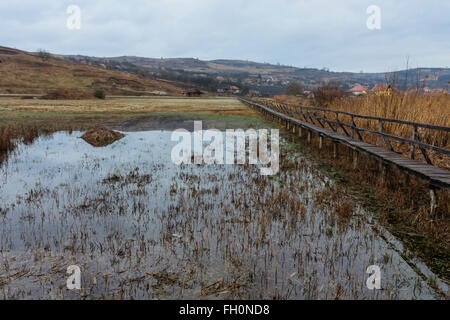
(10, 136)
(29, 135)
(208, 232)
(5, 140)
(401, 201)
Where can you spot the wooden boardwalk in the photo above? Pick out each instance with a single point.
(438, 178)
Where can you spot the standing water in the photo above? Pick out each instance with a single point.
(141, 227)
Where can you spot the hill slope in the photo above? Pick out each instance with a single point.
(254, 74)
(25, 72)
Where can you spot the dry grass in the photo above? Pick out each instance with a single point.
(417, 108)
(68, 94)
(101, 137)
(401, 202)
(24, 72)
(10, 136)
(126, 105)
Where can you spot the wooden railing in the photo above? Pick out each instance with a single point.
(321, 117)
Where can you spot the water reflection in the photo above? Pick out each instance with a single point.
(141, 227)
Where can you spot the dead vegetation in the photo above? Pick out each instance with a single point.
(67, 94)
(10, 107)
(187, 232)
(401, 202)
(101, 137)
(433, 110)
(216, 232)
(429, 109)
(11, 136)
(37, 73)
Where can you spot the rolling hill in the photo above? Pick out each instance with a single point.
(264, 75)
(37, 73)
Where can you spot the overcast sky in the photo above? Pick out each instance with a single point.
(302, 33)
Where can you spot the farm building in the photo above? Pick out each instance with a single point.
(357, 90)
(192, 93)
(380, 87)
(235, 90)
(229, 90)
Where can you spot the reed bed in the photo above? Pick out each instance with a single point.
(429, 109)
(11, 136)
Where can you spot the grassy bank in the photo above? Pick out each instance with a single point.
(400, 202)
(86, 113)
(125, 105)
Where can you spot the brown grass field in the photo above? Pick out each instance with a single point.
(27, 73)
(125, 105)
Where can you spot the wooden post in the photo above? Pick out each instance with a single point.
(293, 128)
(287, 124)
(413, 138)
(309, 136)
(380, 129)
(386, 139)
(353, 129)
(320, 142)
(335, 150)
(434, 201)
(300, 133)
(383, 171)
(337, 121)
(355, 159)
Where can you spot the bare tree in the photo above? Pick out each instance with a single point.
(294, 88)
(44, 55)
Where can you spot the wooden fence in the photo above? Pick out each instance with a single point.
(321, 117)
(318, 120)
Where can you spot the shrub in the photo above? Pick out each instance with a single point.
(99, 94)
(294, 88)
(326, 93)
(43, 55)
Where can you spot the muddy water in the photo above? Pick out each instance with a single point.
(141, 227)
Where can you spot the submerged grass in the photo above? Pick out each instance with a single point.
(399, 201)
(141, 228)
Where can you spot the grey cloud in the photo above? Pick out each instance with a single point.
(314, 33)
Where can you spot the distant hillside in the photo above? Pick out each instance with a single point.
(25, 72)
(265, 76)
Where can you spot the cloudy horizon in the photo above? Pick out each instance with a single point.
(301, 33)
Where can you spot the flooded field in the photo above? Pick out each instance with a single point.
(141, 227)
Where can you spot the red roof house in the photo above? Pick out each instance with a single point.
(357, 90)
(380, 87)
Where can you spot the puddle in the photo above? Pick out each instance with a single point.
(141, 227)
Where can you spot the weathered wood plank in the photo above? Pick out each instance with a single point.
(436, 176)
